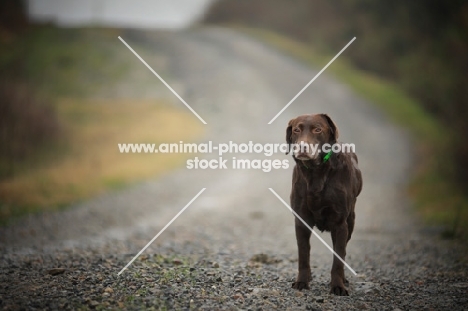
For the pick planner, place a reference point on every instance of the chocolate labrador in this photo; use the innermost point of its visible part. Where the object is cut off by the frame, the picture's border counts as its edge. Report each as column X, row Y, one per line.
column 324, row 190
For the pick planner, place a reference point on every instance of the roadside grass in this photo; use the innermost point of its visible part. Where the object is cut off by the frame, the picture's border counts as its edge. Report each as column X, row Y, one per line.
column 67, row 71
column 437, row 198
column 64, row 61
column 88, row 162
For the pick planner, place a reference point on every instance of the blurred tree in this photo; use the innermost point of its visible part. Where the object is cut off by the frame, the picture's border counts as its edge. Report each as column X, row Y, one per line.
column 13, row 17
column 27, row 123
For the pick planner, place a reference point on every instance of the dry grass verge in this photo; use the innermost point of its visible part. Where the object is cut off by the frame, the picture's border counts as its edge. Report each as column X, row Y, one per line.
column 89, row 162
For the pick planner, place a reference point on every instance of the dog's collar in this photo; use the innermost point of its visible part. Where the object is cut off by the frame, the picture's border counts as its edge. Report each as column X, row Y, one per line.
column 327, row 156
column 325, row 159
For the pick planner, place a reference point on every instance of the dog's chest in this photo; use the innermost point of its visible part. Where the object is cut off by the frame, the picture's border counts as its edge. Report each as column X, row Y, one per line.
column 324, row 199
column 322, row 213
column 322, row 218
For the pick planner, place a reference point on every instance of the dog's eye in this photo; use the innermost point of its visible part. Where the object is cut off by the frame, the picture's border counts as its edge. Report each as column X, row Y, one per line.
column 317, row 130
column 297, row 130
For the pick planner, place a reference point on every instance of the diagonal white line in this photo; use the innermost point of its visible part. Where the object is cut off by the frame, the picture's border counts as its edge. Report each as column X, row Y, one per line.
column 316, row 76
column 162, row 230
column 318, row 236
column 162, row 80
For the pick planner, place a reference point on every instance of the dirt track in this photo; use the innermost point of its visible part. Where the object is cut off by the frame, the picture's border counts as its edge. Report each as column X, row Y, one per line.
column 237, row 85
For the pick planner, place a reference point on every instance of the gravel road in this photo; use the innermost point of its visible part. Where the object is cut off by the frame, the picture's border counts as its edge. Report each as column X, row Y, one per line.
column 234, row 248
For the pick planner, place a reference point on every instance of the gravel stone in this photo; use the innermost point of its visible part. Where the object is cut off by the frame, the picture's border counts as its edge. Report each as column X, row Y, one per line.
column 56, row 271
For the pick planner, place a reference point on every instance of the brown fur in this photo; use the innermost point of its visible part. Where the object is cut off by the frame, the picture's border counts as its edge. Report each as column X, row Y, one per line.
column 323, row 194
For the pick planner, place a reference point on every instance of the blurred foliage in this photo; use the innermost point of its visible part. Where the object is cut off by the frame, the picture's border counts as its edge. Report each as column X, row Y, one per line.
column 58, row 136
column 37, row 65
column 13, row 18
column 421, row 45
column 60, row 62
column 27, row 125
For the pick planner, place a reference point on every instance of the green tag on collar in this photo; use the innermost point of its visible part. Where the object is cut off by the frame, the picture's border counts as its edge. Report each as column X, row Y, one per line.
column 327, row 156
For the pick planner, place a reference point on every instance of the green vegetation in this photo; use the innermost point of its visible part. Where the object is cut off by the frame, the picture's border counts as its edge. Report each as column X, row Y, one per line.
column 62, row 62
column 59, row 127
column 437, row 198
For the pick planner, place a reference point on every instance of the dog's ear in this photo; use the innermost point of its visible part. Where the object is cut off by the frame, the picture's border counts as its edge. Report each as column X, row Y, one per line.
column 289, row 134
column 333, row 128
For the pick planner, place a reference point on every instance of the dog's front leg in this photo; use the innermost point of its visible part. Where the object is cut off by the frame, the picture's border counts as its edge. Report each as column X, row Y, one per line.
column 340, row 237
column 303, row 245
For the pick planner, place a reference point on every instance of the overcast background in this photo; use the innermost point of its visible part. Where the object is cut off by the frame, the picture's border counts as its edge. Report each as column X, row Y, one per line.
column 119, row 13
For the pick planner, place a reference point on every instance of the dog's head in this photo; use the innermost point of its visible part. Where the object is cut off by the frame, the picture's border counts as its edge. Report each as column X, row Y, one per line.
column 308, row 133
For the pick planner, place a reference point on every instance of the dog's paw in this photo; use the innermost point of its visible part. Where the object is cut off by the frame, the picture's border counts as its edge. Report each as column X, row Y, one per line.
column 300, row 285
column 339, row 290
